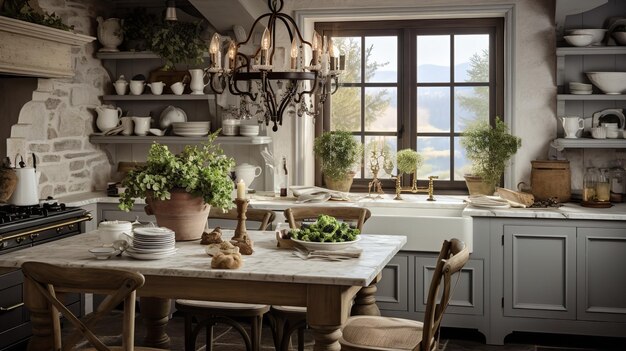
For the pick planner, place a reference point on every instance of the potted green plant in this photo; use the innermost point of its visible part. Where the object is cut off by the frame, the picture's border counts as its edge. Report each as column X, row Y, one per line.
column 338, row 152
column 489, row 148
column 178, row 42
column 408, row 161
column 22, row 10
column 180, row 189
column 139, row 27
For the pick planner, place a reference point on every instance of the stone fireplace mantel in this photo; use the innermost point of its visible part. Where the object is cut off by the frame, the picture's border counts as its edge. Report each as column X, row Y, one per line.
column 28, row 49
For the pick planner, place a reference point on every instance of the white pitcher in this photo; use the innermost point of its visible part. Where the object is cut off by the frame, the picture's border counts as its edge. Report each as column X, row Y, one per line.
column 110, row 33
column 572, row 125
column 247, row 173
column 197, row 81
column 108, row 117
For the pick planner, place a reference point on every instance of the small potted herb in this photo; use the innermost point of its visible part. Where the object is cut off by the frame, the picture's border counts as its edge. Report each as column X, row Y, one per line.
column 180, row 189
column 339, row 152
column 178, row 42
column 489, row 148
column 139, row 27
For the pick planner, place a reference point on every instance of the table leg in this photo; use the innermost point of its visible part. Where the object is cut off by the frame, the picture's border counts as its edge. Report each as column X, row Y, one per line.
column 39, row 317
column 327, row 310
column 365, row 300
column 155, row 313
column 326, row 337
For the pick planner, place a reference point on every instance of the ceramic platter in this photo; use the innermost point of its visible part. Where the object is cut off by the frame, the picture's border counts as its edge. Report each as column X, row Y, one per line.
column 149, row 256
column 610, row 115
column 312, row 245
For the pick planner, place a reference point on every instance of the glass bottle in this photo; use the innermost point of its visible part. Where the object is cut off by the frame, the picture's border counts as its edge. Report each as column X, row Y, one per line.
column 603, row 186
column 284, row 179
column 618, row 177
column 589, row 184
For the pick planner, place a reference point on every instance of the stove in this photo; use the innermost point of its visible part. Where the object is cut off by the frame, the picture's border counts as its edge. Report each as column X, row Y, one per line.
column 24, row 226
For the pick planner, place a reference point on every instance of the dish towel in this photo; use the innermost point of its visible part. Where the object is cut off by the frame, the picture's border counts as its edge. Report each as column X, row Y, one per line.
column 305, row 193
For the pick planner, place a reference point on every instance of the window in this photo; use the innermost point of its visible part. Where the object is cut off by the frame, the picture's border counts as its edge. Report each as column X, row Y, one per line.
column 415, row 84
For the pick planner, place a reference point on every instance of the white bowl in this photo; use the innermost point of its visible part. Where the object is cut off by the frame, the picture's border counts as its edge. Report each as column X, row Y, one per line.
column 205, row 124
column 609, row 82
column 579, row 39
column 580, row 86
column 596, row 33
column 104, row 253
column 598, row 133
column 314, row 245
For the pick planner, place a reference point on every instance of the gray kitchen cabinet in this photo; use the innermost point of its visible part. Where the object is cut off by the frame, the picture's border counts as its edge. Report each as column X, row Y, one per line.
column 601, row 254
column 555, row 276
column 393, row 288
column 110, row 212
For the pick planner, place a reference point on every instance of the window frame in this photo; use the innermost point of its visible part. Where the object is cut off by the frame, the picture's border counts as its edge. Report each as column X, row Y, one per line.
column 407, row 31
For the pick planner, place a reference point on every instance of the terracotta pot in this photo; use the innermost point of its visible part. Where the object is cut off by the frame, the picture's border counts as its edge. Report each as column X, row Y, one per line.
column 341, row 184
column 476, row 186
column 183, row 213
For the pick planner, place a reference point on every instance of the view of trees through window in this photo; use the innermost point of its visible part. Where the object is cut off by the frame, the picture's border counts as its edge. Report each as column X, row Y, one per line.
column 422, row 95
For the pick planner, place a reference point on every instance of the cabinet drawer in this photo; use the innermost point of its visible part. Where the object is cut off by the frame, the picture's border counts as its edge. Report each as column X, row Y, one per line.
column 11, row 299
column 15, row 339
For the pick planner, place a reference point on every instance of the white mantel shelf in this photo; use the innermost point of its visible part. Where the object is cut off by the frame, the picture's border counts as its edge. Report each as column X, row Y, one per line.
column 28, row 49
column 224, row 140
column 589, row 143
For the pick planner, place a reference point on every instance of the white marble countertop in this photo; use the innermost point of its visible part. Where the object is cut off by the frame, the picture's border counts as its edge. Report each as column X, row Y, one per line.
column 567, row 211
column 267, row 263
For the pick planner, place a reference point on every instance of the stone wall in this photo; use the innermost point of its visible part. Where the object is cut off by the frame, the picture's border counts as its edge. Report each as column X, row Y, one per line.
column 57, row 122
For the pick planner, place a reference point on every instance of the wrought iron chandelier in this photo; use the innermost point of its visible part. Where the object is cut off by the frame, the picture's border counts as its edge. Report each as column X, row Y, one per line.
column 256, row 78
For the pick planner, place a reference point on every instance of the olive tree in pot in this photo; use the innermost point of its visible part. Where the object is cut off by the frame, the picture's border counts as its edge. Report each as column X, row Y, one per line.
column 180, row 189
column 338, row 152
column 489, row 148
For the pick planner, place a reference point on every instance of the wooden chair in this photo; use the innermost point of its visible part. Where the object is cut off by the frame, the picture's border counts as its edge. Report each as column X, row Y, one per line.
column 209, row 313
column 385, row 333
column 118, row 285
column 288, row 319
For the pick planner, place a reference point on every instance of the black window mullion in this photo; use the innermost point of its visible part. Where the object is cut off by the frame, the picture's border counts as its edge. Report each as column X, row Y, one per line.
column 452, row 112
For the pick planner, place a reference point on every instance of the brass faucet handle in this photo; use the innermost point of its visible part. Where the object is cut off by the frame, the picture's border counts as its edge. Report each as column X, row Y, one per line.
column 433, row 177
column 431, row 187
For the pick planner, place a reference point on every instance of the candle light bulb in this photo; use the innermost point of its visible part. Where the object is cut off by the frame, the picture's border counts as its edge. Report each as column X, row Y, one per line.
column 315, row 41
column 331, row 49
column 215, row 44
column 294, row 53
column 266, row 39
column 232, row 53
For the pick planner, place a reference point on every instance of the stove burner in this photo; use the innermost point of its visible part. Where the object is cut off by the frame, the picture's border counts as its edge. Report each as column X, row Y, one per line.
column 12, row 213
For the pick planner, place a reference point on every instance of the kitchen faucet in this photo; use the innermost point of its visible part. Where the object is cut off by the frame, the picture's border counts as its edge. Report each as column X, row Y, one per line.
column 415, row 189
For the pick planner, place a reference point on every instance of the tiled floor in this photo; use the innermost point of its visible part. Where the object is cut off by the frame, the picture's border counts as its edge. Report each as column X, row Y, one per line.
column 451, row 339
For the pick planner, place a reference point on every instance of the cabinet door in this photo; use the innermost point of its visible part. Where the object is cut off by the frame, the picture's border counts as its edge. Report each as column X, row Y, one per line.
column 601, row 277
column 467, row 296
column 393, row 293
column 110, row 212
column 540, row 271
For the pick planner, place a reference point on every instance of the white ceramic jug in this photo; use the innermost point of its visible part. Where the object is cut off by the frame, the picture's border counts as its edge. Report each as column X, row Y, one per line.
column 197, row 81
column 571, row 126
column 108, row 117
column 247, row 173
column 110, row 33
column 142, row 125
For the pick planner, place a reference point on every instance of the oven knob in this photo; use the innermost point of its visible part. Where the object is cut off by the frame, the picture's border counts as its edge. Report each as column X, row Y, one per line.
column 59, row 229
column 71, row 226
column 34, row 235
column 4, row 244
column 20, row 239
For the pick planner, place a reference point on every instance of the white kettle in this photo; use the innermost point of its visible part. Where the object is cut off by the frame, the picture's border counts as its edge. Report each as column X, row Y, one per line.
column 26, row 191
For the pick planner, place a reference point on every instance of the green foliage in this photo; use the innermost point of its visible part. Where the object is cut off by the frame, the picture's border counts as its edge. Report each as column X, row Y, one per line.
column 346, row 102
column 325, row 229
column 178, row 42
column 489, row 148
column 21, row 10
column 478, row 102
column 139, row 25
column 408, row 161
column 201, row 170
column 338, row 151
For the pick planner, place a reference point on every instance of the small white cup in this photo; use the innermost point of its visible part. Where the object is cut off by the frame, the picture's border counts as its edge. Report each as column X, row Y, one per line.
column 598, row 132
column 178, row 88
column 136, row 87
column 142, row 125
column 156, row 87
column 127, row 125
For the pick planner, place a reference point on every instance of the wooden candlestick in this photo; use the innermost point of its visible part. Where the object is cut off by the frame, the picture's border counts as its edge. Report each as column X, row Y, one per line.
column 241, row 239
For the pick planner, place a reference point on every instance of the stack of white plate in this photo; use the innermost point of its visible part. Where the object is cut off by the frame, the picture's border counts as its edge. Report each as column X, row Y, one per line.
column 191, row 129
column 152, row 243
column 249, row 129
column 580, row 88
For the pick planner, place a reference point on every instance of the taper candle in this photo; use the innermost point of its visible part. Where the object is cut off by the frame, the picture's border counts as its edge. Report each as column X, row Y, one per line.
column 241, row 189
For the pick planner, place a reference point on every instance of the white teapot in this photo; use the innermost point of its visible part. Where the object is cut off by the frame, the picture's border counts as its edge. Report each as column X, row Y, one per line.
column 108, row 117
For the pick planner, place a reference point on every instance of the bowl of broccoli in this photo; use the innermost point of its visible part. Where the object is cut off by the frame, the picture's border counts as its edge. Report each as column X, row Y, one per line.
column 326, row 233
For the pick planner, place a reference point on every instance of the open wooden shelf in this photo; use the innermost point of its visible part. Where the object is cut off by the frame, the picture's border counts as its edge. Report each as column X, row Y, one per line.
column 590, row 97
column 591, row 50
column 162, row 97
column 225, row 140
column 589, row 143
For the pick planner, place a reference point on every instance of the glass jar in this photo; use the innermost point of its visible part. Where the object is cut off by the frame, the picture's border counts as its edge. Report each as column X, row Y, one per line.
column 618, row 184
column 589, row 184
column 603, row 186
